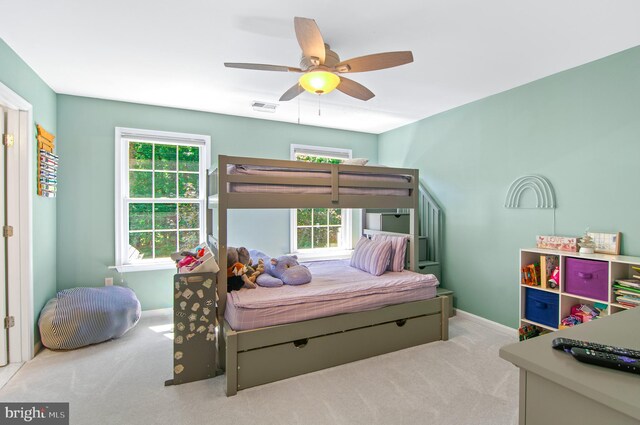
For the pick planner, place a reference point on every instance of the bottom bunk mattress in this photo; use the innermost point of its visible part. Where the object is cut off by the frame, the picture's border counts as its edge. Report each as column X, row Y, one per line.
column 335, row 288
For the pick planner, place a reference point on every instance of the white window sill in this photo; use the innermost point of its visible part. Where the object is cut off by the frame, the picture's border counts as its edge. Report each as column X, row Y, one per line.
column 323, row 255
column 143, row 267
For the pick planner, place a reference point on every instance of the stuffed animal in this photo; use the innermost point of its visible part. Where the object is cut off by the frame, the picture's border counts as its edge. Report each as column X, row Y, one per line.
column 238, row 255
column 284, row 270
column 254, row 272
column 237, row 278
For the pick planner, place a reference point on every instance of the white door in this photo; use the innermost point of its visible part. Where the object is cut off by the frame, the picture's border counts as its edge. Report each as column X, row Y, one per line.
column 3, row 256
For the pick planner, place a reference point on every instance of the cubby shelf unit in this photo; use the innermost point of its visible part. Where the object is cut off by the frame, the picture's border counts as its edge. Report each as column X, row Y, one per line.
column 618, row 267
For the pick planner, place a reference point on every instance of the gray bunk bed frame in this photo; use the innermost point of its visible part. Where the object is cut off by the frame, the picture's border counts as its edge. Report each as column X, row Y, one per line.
column 259, row 356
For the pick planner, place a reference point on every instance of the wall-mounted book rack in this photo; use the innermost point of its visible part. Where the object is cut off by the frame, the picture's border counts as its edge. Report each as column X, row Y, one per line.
column 47, row 164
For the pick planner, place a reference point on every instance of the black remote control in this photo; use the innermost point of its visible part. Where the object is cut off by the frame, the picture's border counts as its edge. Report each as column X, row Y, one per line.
column 567, row 344
column 613, row 361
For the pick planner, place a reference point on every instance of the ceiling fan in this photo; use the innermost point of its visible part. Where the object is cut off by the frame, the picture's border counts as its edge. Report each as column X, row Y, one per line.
column 321, row 68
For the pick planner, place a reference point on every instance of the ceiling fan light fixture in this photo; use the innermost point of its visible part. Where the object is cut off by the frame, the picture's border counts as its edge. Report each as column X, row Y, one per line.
column 319, row 82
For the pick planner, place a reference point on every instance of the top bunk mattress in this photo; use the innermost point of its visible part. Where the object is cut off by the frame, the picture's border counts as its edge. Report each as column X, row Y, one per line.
column 349, row 181
column 336, row 288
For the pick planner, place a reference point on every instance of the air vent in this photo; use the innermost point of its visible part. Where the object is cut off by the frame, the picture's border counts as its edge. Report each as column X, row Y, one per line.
column 264, row 106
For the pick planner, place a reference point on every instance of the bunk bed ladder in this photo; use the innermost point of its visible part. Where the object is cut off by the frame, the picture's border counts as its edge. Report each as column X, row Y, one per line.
column 430, row 227
column 430, row 231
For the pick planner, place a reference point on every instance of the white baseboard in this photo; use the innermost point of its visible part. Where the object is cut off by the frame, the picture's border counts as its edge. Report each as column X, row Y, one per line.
column 481, row 320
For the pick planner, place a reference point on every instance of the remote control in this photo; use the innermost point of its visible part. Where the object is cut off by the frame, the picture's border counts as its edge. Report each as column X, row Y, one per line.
column 613, row 361
column 567, row 344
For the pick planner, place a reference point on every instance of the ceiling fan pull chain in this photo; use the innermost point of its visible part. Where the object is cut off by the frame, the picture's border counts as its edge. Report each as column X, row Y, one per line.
column 298, row 110
column 319, row 105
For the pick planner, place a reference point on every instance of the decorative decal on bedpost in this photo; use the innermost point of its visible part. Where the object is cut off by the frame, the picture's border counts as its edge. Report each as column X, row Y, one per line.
column 194, row 343
column 545, row 196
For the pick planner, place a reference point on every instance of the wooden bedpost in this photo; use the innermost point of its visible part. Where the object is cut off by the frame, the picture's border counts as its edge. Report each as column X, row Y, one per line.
column 222, row 256
column 444, row 316
column 231, row 342
column 414, row 222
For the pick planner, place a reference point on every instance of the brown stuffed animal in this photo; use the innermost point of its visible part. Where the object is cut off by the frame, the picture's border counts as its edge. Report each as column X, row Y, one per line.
column 252, row 272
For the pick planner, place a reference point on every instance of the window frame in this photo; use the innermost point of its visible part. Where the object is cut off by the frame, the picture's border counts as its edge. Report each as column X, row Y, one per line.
column 347, row 214
column 123, row 136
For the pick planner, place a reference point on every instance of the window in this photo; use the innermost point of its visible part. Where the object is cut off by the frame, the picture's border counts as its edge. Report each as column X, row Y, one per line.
column 160, row 196
column 317, row 230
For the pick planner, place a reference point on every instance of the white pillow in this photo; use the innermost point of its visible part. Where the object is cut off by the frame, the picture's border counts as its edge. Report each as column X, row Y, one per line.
column 355, row 161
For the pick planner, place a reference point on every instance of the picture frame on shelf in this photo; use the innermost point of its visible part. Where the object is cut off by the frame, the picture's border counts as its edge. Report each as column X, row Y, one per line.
column 606, row 243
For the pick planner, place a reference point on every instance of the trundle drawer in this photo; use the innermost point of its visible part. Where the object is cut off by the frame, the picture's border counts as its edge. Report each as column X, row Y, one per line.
column 268, row 364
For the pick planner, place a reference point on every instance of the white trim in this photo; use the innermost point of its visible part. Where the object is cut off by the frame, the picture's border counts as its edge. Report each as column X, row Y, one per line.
column 169, row 136
column 145, row 267
column 123, row 134
column 486, row 322
column 322, row 254
column 14, row 251
column 25, row 290
column 4, row 259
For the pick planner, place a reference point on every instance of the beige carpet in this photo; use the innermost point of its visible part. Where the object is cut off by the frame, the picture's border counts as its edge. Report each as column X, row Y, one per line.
column 461, row 381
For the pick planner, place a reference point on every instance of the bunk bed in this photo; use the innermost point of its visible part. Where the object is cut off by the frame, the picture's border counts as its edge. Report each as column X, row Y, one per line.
column 256, row 356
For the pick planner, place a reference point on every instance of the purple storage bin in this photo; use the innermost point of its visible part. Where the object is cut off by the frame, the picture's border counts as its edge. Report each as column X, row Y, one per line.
column 587, row 278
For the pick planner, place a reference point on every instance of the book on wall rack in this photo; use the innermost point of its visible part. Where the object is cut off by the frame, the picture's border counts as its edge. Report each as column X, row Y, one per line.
column 47, row 164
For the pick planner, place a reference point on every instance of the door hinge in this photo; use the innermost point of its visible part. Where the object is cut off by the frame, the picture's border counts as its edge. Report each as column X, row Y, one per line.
column 7, row 140
column 9, row 322
column 7, row 231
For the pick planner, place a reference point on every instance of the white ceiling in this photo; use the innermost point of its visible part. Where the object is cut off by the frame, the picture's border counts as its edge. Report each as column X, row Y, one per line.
column 171, row 53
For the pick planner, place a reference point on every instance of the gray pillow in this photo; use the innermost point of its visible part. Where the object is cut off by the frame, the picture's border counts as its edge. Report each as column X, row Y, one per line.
column 371, row 256
column 398, row 250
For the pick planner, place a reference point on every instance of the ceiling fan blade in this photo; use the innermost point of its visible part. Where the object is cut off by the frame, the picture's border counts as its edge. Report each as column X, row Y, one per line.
column 262, row 67
column 375, row 62
column 354, row 89
column 309, row 38
column 294, row 91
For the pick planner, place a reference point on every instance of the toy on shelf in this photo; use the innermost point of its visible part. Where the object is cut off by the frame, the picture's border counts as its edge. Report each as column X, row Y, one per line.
column 549, row 266
column 554, row 281
column 582, row 313
column 587, row 245
column 530, row 331
column 531, row 274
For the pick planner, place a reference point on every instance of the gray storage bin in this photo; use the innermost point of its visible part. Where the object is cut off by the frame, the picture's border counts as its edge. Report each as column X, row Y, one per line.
column 388, row 222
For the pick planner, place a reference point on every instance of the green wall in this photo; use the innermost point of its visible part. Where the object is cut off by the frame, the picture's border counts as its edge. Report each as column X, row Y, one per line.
column 579, row 128
column 16, row 74
column 86, row 182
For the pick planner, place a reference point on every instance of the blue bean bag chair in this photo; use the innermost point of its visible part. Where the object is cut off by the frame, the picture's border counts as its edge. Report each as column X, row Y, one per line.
column 82, row 316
